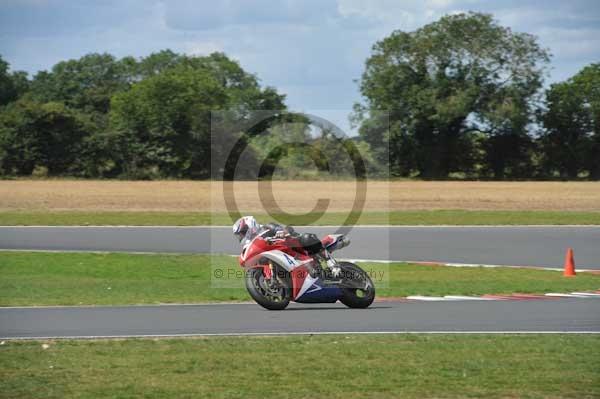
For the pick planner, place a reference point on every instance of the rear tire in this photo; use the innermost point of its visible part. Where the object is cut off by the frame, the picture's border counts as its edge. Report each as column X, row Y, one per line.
column 353, row 297
column 260, row 292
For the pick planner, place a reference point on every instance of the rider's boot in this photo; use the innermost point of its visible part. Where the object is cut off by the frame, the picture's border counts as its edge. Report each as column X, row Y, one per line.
column 333, row 268
column 314, row 269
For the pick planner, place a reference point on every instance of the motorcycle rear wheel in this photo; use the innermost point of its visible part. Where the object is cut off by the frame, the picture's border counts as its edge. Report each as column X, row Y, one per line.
column 267, row 297
column 354, row 297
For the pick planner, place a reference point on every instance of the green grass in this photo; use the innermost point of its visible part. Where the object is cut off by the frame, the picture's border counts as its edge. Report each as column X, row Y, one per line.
column 438, row 217
column 38, row 278
column 382, row 366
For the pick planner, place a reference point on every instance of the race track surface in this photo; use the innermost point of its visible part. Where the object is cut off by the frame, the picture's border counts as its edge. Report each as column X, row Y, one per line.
column 542, row 246
column 559, row 315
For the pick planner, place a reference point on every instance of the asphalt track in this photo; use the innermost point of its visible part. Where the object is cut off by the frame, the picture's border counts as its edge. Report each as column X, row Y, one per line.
column 557, row 315
column 520, row 245
column 542, row 246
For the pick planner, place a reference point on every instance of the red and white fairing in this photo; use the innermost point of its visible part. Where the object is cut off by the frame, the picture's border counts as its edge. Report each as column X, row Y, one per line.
column 287, row 252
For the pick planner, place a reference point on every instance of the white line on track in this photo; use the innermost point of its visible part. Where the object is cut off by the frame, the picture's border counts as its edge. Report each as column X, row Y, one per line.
column 267, row 334
column 468, row 298
column 428, row 298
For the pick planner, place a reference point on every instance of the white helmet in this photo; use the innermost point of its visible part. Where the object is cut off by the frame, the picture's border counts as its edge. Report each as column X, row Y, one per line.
column 242, row 225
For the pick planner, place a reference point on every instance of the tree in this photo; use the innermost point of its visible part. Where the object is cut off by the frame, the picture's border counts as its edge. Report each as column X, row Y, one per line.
column 35, row 135
column 157, row 63
column 283, row 152
column 509, row 149
column 162, row 124
column 158, row 107
column 458, row 75
column 243, row 88
column 87, row 83
column 571, row 139
column 12, row 85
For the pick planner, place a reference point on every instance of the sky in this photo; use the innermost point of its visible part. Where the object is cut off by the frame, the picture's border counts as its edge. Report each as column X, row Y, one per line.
column 311, row 50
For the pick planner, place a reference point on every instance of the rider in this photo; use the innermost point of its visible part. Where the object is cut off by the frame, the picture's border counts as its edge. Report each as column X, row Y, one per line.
column 246, row 228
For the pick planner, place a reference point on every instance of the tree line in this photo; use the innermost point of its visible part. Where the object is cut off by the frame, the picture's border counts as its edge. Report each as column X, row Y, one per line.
column 462, row 97
column 102, row 117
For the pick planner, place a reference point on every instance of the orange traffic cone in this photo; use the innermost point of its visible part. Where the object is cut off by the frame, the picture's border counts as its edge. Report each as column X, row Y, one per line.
column 569, row 264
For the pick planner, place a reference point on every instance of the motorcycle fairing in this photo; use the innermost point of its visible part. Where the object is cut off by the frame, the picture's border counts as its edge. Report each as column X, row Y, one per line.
column 286, row 261
column 314, row 290
column 330, row 239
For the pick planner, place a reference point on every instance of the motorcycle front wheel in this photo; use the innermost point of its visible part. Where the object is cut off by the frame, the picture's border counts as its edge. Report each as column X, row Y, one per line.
column 358, row 298
column 272, row 295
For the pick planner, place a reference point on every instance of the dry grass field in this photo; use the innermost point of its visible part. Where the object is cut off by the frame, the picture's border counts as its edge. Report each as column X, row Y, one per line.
column 203, row 196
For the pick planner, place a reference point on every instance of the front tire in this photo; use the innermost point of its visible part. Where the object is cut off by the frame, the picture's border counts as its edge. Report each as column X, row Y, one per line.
column 271, row 298
column 357, row 298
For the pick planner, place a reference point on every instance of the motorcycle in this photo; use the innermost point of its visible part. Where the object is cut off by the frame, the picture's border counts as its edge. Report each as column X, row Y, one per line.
column 301, row 268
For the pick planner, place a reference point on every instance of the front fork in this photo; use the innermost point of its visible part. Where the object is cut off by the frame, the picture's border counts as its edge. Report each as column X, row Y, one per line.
column 332, row 264
column 268, row 271
column 272, row 277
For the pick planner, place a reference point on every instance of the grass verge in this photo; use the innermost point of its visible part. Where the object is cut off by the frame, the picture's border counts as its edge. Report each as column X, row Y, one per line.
column 406, row 366
column 433, row 217
column 38, row 278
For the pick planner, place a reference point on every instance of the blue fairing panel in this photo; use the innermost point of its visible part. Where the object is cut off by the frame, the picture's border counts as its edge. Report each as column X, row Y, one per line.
column 319, row 293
